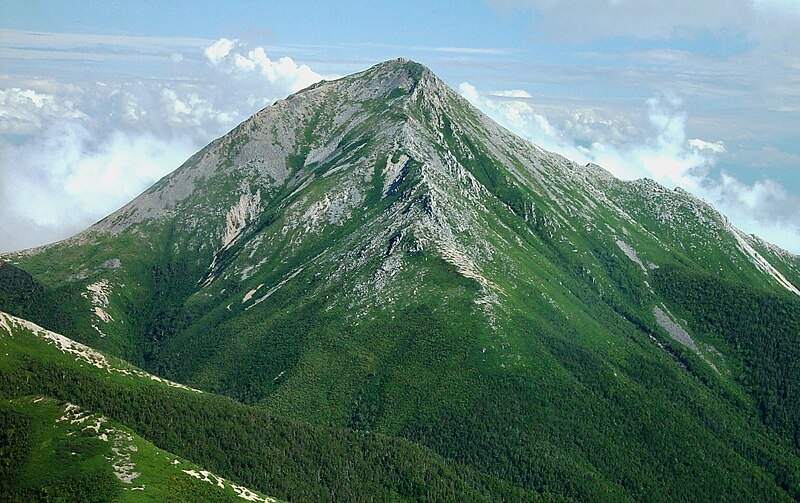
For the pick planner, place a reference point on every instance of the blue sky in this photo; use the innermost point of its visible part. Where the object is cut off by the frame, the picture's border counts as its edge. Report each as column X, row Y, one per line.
column 99, row 99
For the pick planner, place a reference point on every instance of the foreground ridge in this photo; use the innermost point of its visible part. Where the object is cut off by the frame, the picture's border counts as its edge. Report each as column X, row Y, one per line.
column 376, row 256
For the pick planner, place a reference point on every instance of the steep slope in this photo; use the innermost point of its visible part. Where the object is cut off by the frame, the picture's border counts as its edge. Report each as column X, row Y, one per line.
column 54, row 449
column 374, row 253
column 58, row 451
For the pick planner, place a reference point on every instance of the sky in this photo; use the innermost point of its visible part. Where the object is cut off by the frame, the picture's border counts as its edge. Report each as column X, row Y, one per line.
column 99, row 99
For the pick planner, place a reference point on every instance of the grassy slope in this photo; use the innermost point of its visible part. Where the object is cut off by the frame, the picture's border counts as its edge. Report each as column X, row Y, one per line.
column 49, row 458
column 292, row 460
column 567, row 393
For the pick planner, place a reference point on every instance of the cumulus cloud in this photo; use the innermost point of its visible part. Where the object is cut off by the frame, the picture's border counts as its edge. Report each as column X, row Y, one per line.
column 283, row 72
column 64, row 165
column 65, row 179
column 662, row 152
column 72, row 152
column 217, row 51
column 23, row 111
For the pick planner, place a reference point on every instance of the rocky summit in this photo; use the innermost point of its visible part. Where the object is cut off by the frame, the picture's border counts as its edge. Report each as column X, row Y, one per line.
column 370, row 291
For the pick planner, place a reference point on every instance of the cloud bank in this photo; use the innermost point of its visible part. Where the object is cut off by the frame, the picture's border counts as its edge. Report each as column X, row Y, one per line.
column 73, row 152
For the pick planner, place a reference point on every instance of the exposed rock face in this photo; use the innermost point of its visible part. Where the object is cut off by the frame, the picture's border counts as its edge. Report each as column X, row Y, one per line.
column 373, row 253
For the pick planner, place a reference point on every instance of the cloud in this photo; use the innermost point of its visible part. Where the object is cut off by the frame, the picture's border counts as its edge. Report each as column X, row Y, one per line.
column 584, row 20
column 661, row 152
column 715, row 147
column 23, row 111
column 217, row 51
column 66, row 178
column 72, row 152
column 512, row 93
column 764, row 208
column 283, row 72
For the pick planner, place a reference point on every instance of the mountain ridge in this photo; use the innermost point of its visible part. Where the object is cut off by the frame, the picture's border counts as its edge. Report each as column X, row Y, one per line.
column 375, row 254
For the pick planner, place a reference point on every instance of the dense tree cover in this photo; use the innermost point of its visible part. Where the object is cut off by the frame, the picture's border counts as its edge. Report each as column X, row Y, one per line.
column 55, row 472
column 14, row 443
column 22, row 295
column 46, row 458
column 571, row 427
column 758, row 330
column 286, row 459
column 18, row 289
column 582, row 434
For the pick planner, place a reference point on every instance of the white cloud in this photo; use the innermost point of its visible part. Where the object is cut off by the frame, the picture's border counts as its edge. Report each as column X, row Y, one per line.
column 23, row 111
column 65, row 179
column 715, row 147
column 662, row 152
column 513, row 93
column 217, row 51
column 72, row 152
column 283, row 72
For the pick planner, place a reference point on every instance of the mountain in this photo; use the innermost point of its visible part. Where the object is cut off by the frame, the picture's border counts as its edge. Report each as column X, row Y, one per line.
column 53, row 449
column 374, row 256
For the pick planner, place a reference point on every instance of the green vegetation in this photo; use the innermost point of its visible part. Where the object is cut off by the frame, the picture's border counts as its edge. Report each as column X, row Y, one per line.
column 287, row 459
column 758, row 329
column 431, row 310
column 46, row 457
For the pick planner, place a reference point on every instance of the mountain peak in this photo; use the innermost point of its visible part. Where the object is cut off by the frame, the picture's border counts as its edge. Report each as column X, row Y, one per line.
column 376, row 254
column 394, row 73
column 402, row 64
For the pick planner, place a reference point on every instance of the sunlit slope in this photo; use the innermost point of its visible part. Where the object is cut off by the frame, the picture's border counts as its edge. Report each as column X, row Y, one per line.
column 60, row 397
column 373, row 253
